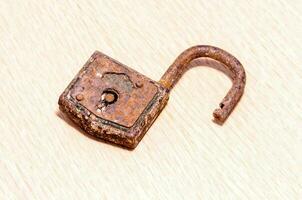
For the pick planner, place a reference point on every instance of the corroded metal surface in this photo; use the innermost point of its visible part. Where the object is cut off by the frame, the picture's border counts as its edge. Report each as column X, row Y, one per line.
column 105, row 75
column 90, row 101
column 113, row 102
column 180, row 65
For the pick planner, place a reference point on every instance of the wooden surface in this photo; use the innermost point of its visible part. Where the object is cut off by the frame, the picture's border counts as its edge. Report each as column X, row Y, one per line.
column 256, row 154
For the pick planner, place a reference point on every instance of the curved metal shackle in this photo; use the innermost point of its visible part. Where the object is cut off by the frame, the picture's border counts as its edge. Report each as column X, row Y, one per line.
column 180, row 65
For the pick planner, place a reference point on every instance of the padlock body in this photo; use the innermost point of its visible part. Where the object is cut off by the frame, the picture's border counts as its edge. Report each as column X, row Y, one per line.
column 112, row 101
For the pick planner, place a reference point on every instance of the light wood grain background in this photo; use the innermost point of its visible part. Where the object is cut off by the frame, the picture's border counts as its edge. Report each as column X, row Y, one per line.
column 256, row 154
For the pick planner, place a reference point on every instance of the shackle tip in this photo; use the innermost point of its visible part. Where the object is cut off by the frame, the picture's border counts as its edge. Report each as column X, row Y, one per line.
column 220, row 115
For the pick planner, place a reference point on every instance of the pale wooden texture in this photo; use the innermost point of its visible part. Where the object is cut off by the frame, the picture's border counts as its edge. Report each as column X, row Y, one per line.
column 256, row 154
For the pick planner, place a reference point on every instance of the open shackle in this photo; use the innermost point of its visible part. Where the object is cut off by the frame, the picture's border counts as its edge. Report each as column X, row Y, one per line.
column 181, row 64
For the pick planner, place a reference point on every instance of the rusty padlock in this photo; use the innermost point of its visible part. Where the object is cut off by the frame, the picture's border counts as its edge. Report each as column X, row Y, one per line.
column 117, row 104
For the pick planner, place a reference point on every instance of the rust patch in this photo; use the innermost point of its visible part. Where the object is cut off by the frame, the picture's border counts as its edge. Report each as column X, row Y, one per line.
column 105, row 74
column 180, row 66
column 113, row 102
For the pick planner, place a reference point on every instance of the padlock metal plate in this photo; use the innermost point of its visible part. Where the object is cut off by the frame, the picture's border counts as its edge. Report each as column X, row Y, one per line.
column 139, row 101
column 134, row 90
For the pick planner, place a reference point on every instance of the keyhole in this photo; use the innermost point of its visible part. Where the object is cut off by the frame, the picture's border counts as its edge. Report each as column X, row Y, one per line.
column 109, row 96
